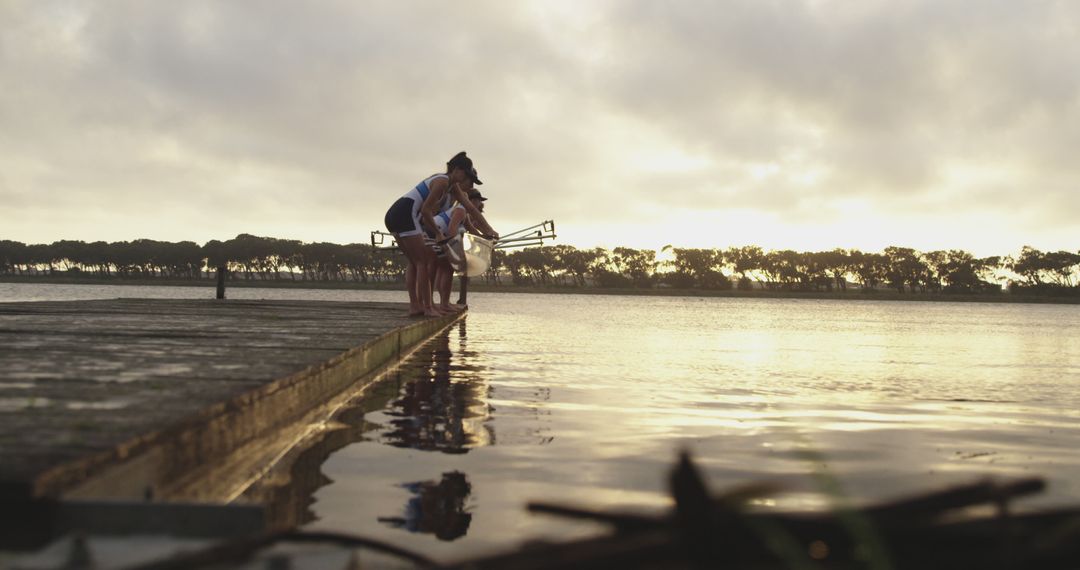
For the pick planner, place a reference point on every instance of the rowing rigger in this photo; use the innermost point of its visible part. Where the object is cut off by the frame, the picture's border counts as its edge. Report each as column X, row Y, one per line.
column 525, row 237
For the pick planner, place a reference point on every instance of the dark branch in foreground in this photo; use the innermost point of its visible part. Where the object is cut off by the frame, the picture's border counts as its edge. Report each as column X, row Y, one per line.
column 969, row 526
column 940, row 530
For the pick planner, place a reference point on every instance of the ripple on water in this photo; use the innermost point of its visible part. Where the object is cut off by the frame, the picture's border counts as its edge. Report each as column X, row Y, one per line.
column 882, row 399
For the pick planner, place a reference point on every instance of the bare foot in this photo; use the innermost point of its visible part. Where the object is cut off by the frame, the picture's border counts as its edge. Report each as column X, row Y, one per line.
column 450, row 309
column 413, row 314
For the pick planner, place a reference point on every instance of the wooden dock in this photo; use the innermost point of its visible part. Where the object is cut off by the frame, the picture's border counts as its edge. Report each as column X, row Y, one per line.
column 137, row 398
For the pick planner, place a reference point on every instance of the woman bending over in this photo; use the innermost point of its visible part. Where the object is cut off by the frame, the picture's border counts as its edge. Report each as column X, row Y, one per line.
column 412, row 214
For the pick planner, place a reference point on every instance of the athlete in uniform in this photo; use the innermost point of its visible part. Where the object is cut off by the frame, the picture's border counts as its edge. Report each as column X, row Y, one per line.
column 452, row 223
column 412, row 213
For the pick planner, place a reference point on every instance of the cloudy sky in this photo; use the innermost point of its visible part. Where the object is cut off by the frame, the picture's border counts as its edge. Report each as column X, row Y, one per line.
column 806, row 124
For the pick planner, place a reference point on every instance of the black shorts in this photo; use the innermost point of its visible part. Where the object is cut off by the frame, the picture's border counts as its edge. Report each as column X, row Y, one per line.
column 401, row 220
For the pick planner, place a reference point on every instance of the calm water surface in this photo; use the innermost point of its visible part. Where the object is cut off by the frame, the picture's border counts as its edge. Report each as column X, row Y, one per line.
column 586, row 400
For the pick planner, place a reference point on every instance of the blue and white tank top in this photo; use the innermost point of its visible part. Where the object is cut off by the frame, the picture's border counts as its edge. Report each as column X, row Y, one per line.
column 421, row 191
column 442, row 219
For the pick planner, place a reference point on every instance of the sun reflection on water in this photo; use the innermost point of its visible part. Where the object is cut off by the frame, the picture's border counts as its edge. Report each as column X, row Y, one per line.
column 586, row 400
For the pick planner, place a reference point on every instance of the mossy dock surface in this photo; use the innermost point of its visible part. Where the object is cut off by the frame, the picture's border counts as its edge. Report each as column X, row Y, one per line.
column 137, row 397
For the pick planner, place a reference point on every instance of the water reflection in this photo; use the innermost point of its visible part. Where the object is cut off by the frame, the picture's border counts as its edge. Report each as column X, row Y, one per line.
column 434, row 401
column 289, row 502
column 443, row 405
column 437, row 508
column 590, row 397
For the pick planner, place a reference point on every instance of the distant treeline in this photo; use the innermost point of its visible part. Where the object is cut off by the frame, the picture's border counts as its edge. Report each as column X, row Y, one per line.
column 748, row 267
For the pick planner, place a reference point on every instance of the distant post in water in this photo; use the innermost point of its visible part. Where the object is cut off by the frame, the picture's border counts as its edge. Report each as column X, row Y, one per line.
column 221, row 282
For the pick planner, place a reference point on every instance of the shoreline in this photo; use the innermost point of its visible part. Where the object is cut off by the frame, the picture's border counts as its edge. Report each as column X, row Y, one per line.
column 475, row 287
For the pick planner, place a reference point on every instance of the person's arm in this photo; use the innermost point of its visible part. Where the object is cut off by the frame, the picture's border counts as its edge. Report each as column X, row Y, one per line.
column 486, row 231
column 431, row 204
column 481, row 227
column 474, row 214
column 472, row 228
column 456, row 218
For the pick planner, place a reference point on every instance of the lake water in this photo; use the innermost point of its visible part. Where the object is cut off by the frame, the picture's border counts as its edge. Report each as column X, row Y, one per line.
column 586, row 400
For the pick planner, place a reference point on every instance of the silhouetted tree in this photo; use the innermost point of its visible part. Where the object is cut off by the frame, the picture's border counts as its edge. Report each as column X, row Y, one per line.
column 575, row 262
column 836, row 265
column 638, row 265
column 698, row 268
column 254, row 257
column 870, row 268
column 906, row 267
column 744, row 260
column 14, row 257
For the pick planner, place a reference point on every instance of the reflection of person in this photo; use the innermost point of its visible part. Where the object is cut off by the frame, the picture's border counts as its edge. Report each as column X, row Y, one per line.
column 436, row 508
column 452, row 223
column 436, row 413
column 408, row 216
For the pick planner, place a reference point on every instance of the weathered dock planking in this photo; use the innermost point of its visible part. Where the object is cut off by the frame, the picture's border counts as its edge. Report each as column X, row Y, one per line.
column 129, row 398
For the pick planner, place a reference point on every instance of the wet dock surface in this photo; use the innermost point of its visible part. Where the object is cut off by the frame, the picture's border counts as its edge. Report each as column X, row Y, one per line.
column 91, row 379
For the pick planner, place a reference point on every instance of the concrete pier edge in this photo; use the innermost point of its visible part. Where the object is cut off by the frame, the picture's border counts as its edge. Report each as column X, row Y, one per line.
column 149, row 465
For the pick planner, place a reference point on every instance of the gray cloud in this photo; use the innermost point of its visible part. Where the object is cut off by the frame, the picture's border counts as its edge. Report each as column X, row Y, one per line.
column 217, row 118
